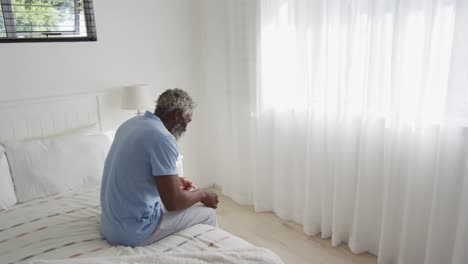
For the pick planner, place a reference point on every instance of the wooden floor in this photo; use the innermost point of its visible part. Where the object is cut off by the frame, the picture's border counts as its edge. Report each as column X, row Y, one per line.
column 285, row 238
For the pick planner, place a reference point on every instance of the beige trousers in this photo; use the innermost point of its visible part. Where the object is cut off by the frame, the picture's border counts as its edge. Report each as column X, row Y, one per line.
column 175, row 221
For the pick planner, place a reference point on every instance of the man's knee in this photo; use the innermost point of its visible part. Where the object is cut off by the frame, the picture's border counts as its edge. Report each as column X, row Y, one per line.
column 210, row 216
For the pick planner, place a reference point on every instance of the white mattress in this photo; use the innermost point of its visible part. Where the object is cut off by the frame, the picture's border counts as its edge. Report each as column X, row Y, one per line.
column 67, row 226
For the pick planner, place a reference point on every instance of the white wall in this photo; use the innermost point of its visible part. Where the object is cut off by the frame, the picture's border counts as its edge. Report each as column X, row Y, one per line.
column 210, row 115
column 146, row 41
column 164, row 43
column 228, row 59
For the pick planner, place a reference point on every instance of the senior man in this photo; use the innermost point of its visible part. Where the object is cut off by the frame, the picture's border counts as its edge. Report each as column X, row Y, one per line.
column 142, row 197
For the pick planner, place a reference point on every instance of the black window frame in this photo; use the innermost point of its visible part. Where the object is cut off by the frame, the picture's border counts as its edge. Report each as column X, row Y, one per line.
column 88, row 11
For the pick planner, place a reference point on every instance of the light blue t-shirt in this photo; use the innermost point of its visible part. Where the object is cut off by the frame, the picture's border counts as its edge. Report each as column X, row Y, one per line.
column 131, row 206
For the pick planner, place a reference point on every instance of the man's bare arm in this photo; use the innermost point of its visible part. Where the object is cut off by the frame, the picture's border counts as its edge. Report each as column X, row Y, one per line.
column 174, row 198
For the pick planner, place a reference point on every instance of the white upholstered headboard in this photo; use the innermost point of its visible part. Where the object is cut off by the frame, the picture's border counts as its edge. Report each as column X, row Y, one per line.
column 40, row 117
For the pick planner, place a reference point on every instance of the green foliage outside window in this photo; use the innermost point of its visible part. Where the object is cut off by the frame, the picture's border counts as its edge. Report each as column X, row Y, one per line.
column 2, row 24
column 46, row 21
column 34, row 15
column 40, row 16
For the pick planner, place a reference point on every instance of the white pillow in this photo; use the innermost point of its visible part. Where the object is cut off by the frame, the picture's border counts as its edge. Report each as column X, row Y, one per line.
column 54, row 165
column 180, row 166
column 7, row 189
column 83, row 130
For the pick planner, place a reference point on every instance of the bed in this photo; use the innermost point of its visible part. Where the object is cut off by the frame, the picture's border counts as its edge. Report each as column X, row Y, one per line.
column 66, row 225
column 46, row 220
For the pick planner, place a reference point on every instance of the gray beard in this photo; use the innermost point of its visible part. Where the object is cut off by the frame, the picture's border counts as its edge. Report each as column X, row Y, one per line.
column 177, row 131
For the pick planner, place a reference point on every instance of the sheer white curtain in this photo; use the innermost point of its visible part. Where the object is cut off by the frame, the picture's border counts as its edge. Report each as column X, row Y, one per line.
column 356, row 121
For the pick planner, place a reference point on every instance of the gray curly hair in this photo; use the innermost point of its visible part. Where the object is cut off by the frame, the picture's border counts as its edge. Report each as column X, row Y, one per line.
column 174, row 99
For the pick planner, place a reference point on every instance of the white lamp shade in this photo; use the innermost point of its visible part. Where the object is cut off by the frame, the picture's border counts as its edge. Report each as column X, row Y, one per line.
column 137, row 97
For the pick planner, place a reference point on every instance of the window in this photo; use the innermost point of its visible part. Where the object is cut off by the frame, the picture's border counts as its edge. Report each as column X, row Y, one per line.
column 42, row 21
column 360, row 62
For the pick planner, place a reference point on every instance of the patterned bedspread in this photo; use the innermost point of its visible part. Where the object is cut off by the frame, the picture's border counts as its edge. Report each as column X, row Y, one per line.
column 67, row 226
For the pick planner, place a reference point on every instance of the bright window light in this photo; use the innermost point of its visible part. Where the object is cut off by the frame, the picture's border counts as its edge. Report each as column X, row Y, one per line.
column 359, row 65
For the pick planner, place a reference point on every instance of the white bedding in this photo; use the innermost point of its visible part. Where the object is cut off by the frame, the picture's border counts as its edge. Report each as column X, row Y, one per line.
column 67, row 226
column 252, row 255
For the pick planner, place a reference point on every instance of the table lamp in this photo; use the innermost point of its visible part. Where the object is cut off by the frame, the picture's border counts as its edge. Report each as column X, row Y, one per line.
column 136, row 97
